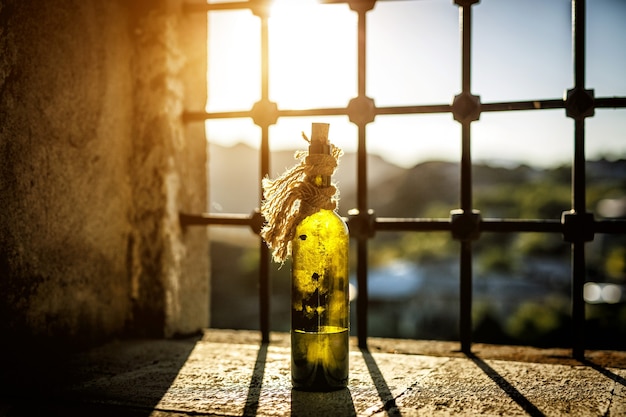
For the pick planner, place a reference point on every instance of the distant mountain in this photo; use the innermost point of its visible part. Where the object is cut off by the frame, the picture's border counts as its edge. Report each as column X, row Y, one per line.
column 392, row 191
column 234, row 183
column 235, row 180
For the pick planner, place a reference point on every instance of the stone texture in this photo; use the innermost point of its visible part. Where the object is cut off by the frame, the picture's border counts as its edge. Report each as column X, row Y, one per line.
column 230, row 373
column 96, row 164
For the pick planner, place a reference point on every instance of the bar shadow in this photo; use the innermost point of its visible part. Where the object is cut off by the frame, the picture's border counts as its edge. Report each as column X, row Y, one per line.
column 108, row 380
column 254, row 391
column 617, row 378
column 302, row 403
column 315, row 404
column 506, row 386
column 389, row 402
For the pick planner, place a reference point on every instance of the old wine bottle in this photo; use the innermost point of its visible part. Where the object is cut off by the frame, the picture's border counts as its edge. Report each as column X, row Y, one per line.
column 320, row 306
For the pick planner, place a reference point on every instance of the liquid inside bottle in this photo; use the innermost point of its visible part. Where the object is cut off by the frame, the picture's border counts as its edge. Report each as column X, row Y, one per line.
column 320, row 303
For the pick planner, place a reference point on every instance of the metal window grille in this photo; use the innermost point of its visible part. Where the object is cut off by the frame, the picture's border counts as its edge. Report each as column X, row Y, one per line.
column 465, row 224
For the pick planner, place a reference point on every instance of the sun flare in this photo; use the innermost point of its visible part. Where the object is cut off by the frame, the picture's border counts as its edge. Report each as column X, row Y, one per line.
column 312, row 54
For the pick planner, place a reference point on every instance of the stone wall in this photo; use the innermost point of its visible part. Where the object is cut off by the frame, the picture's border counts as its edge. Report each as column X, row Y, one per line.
column 96, row 164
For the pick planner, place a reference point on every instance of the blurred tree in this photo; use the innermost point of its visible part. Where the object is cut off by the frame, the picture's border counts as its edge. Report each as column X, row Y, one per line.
column 543, row 324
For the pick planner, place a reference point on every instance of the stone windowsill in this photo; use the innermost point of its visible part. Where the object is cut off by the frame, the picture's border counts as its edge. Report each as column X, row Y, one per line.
column 230, row 373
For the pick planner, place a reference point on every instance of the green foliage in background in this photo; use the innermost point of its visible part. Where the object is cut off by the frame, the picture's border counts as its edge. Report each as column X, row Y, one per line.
column 431, row 190
column 544, row 323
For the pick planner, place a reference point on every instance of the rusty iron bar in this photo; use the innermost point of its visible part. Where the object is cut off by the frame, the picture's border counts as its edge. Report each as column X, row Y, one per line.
column 210, row 7
column 208, row 219
column 600, row 102
column 610, row 102
column 238, row 5
column 465, row 278
column 264, row 265
column 412, row 224
column 362, row 191
column 578, row 184
column 465, row 111
column 485, row 225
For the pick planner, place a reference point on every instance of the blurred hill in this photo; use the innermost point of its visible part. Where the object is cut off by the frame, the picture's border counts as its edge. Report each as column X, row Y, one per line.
column 429, row 189
column 235, row 182
column 522, row 280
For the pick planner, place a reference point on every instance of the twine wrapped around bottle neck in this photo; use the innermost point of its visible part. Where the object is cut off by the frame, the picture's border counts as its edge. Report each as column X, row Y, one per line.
column 293, row 196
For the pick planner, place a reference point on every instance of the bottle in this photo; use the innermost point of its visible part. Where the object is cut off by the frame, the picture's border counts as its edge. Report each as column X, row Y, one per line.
column 320, row 306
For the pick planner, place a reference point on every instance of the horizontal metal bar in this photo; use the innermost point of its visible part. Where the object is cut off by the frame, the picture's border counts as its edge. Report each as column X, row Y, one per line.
column 521, row 225
column 524, row 105
column 427, row 108
column 206, row 219
column 339, row 111
column 354, row 1
column 394, row 224
column 604, row 102
column 201, row 7
column 610, row 102
column 200, row 116
column 494, row 225
column 612, row 226
column 486, row 225
column 208, row 7
column 411, row 224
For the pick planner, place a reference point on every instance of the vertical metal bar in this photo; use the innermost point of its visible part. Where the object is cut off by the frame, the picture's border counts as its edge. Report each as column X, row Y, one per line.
column 264, row 259
column 264, row 58
column 264, row 276
column 578, row 34
column 465, row 307
column 578, row 167
column 264, row 292
column 578, row 184
column 362, row 198
column 362, row 244
column 578, row 302
column 361, row 52
column 465, row 21
column 362, row 299
column 466, row 168
column 579, row 197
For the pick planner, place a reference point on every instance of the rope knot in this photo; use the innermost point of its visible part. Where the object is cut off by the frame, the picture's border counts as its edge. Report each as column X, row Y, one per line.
column 290, row 198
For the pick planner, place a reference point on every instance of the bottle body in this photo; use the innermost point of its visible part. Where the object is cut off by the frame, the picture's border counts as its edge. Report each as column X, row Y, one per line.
column 320, row 304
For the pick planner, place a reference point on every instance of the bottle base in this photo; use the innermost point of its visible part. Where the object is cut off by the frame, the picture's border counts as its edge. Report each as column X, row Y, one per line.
column 319, row 361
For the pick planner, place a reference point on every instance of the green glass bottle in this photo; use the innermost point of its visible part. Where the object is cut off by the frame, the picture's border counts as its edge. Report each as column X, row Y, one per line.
column 320, row 306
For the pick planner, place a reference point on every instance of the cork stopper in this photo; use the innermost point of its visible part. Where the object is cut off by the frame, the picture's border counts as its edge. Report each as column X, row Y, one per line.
column 319, row 139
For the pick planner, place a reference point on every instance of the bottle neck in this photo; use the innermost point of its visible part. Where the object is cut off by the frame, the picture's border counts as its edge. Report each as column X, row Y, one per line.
column 324, row 148
column 321, row 180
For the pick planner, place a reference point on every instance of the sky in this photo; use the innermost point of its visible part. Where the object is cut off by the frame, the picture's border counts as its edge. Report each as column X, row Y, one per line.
column 522, row 50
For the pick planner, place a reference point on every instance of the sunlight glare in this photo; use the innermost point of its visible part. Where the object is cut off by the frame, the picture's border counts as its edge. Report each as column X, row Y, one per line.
column 611, row 294
column 312, row 54
column 592, row 293
column 413, row 57
column 234, row 54
column 406, row 140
